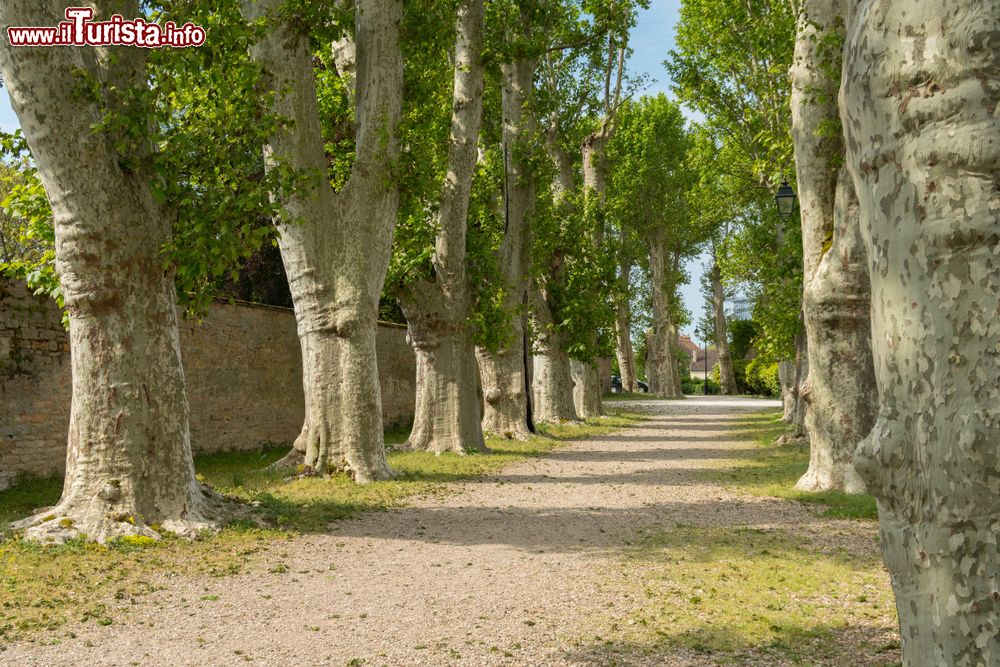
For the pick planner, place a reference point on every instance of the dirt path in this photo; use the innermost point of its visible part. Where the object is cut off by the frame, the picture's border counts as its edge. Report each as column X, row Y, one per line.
column 510, row 570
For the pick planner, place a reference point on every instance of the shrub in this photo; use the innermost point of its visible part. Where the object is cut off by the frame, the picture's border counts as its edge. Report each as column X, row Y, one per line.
column 696, row 387
column 739, row 371
column 762, row 378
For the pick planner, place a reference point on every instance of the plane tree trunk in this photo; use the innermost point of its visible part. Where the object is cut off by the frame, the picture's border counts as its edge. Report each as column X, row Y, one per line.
column 624, row 351
column 840, row 390
column 437, row 309
column 726, row 374
column 335, row 245
column 504, row 371
column 661, row 365
column 128, row 459
column 924, row 78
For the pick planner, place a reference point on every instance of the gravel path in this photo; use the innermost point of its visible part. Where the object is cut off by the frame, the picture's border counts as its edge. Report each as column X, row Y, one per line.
column 509, row 570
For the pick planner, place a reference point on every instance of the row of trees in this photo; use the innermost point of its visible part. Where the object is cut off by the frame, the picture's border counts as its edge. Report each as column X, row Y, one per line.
column 881, row 304
column 504, row 191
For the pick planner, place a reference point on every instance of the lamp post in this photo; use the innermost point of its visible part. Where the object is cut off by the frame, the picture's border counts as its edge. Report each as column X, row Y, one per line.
column 785, row 200
column 704, row 337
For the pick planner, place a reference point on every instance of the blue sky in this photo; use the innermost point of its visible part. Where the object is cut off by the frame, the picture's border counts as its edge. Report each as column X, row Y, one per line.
column 652, row 40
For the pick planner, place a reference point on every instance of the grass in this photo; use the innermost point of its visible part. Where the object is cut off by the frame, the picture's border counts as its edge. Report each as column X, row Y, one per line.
column 44, row 587
column 772, row 470
column 737, row 595
column 639, row 396
column 753, row 596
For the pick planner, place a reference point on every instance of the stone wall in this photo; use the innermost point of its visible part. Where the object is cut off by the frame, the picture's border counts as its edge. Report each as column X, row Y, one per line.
column 243, row 370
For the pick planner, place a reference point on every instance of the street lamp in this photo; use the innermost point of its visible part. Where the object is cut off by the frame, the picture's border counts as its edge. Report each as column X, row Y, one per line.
column 703, row 335
column 785, row 199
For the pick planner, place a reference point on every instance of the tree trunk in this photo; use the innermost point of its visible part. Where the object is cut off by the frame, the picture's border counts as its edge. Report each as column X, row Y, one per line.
column 799, row 383
column 552, row 381
column 128, row 460
column 836, row 305
column 840, row 388
column 924, row 79
column 786, row 377
column 726, row 374
column 335, row 245
column 504, row 372
column 437, row 309
column 587, row 388
column 661, row 364
column 624, row 351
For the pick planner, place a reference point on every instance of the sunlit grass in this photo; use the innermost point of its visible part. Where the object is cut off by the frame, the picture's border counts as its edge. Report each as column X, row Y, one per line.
column 43, row 587
column 772, row 470
column 755, row 596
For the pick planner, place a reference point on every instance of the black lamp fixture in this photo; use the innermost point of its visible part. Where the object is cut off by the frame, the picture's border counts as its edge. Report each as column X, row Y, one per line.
column 785, row 199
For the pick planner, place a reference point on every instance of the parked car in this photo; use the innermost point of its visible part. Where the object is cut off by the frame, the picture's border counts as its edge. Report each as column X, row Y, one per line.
column 617, row 388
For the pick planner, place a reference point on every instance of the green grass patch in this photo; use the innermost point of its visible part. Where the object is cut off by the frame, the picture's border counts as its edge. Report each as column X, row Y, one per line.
column 775, row 595
column 772, row 470
column 43, row 587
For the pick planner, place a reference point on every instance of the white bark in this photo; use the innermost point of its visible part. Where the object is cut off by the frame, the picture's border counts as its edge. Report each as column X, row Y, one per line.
column 552, row 381
column 919, row 104
column 503, row 372
column 840, row 390
column 624, row 351
column 437, row 309
column 335, row 245
column 661, row 365
column 786, row 377
column 726, row 375
column 128, row 461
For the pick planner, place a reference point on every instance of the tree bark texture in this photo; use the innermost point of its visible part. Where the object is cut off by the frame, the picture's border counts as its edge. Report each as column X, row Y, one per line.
column 447, row 416
column 661, row 365
column 587, row 390
column 552, row 380
column 128, row 461
column 786, row 377
column 919, row 104
column 840, row 389
column 503, row 371
column 623, row 334
column 836, row 305
column 335, row 245
column 726, row 375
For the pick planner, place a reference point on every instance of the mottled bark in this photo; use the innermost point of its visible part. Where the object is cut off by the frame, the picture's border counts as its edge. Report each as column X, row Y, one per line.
column 586, row 379
column 786, row 378
column 335, row 245
column 437, row 309
column 840, row 390
column 726, row 374
column 552, row 380
column 919, row 103
column 661, row 365
column 836, row 305
column 503, row 372
column 623, row 332
column 128, row 461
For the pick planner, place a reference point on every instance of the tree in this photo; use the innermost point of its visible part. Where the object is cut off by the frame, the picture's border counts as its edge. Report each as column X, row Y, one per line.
column 841, row 386
column 928, row 206
column 646, row 197
column 335, row 244
column 128, row 463
column 438, row 307
column 504, row 369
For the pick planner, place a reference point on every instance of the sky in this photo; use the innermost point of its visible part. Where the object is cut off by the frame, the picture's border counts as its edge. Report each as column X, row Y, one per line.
column 651, row 41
